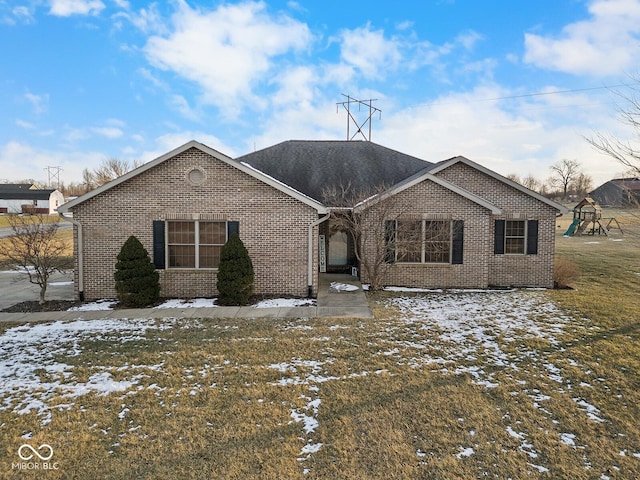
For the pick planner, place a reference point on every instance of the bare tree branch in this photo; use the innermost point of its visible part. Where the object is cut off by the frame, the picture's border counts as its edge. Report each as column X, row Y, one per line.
column 34, row 248
column 367, row 224
column 563, row 173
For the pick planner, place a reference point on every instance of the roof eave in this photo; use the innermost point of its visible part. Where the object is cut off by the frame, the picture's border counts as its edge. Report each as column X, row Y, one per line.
column 420, row 177
column 214, row 153
column 452, row 161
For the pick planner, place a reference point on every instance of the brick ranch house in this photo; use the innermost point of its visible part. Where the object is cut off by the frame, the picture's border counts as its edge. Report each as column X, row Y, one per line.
column 452, row 224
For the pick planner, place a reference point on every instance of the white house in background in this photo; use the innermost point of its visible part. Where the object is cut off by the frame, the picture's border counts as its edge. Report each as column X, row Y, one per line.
column 26, row 198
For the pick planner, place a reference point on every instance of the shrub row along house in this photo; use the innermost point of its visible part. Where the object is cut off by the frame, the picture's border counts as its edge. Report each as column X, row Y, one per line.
column 306, row 207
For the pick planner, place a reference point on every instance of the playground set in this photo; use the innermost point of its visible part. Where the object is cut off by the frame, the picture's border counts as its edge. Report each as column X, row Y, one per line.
column 588, row 220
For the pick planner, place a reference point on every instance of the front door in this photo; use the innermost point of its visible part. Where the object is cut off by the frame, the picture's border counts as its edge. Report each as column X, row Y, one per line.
column 338, row 250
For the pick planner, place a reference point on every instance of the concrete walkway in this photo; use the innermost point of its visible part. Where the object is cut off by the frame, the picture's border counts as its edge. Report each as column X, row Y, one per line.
column 332, row 302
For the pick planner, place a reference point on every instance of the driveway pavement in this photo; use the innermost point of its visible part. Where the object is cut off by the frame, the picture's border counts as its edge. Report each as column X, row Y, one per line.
column 15, row 288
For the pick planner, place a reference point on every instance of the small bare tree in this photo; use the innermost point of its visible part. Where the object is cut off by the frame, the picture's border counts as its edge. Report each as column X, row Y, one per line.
column 365, row 214
column 109, row 169
column 582, row 184
column 35, row 248
column 564, row 173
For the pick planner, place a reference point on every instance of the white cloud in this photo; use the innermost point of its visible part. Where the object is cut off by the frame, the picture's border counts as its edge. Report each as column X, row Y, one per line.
column 501, row 135
column 605, row 44
column 108, row 132
column 24, row 124
column 170, row 141
column 40, row 103
column 369, row 51
column 26, row 161
column 226, row 51
column 66, row 8
column 179, row 103
column 147, row 20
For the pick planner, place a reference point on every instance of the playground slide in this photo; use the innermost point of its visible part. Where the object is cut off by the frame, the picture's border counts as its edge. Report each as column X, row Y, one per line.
column 572, row 228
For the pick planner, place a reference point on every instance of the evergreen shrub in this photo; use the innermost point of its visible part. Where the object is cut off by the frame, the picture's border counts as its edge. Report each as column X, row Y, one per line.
column 235, row 273
column 137, row 281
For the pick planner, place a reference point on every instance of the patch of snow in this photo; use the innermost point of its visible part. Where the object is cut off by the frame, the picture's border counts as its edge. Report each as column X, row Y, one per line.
column 342, row 287
column 411, row 290
column 515, row 434
column 285, row 303
column 465, row 452
column 193, row 303
column 311, row 448
column 540, row 468
column 592, row 411
column 92, row 306
column 568, row 439
column 60, row 284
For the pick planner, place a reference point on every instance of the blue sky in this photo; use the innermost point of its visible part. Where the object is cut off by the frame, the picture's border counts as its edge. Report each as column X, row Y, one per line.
column 84, row 80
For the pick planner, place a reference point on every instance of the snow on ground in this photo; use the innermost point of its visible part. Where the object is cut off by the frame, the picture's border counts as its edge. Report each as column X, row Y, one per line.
column 193, row 303
column 92, row 306
column 482, row 335
column 31, row 373
column 285, row 302
column 342, row 287
column 198, row 303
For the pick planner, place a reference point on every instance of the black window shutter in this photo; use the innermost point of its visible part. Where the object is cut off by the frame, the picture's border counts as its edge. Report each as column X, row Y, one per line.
column 498, row 239
column 158, row 244
column 532, row 237
column 233, row 228
column 389, row 241
column 458, row 242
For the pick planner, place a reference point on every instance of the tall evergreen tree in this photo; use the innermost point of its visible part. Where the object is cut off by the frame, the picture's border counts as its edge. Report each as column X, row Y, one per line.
column 137, row 281
column 235, row 273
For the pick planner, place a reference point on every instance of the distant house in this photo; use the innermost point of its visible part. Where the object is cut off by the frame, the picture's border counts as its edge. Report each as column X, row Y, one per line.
column 184, row 205
column 620, row 192
column 26, row 198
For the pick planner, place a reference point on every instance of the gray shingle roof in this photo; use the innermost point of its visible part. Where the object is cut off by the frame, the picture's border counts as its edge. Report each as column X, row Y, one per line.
column 22, row 191
column 311, row 166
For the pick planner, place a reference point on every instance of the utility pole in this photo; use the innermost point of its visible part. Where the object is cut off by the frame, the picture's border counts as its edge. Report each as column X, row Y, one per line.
column 54, row 175
column 368, row 104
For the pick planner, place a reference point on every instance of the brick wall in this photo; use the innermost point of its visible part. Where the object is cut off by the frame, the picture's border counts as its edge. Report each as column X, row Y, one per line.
column 273, row 226
column 511, row 270
column 429, row 200
column 481, row 268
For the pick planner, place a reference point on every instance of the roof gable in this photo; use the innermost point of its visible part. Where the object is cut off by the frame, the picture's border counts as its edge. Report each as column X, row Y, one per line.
column 314, row 166
column 459, row 159
column 425, row 175
column 214, row 153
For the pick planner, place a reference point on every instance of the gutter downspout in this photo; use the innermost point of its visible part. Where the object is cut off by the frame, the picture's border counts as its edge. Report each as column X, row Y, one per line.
column 310, row 257
column 80, row 256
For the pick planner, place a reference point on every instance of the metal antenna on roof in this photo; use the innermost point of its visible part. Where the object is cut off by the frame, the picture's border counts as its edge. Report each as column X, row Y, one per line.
column 54, row 175
column 352, row 119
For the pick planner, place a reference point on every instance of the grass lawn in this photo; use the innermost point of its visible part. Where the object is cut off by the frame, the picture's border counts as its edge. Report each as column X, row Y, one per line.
column 65, row 236
column 515, row 384
column 5, row 219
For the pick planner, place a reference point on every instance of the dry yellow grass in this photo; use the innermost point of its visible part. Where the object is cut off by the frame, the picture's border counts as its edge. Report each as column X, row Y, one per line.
column 396, row 397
